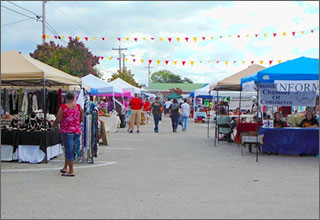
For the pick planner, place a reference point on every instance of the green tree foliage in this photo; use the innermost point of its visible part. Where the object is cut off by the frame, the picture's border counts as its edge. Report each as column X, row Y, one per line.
column 166, row 76
column 125, row 75
column 74, row 59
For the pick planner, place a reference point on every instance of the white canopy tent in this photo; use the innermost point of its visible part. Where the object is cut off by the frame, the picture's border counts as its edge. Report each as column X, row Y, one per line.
column 102, row 86
column 124, row 85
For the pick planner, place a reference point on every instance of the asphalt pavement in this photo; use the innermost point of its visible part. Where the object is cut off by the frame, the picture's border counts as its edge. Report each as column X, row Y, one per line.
column 165, row 175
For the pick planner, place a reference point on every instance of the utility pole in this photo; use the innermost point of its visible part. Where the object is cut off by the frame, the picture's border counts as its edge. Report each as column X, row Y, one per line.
column 119, row 55
column 43, row 21
column 149, row 73
column 124, row 59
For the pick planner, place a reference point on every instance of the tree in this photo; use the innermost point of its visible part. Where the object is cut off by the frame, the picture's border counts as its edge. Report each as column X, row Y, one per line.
column 125, row 75
column 166, row 76
column 74, row 59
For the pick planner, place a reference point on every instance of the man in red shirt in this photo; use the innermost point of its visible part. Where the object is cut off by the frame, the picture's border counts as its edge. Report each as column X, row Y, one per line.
column 136, row 104
column 146, row 108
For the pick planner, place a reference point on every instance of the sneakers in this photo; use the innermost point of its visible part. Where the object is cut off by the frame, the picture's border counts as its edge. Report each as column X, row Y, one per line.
column 138, row 131
column 130, row 131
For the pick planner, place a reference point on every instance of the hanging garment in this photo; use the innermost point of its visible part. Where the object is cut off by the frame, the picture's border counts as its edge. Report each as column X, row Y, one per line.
column 80, row 99
column 20, row 99
column 30, row 102
column 53, row 102
column 34, row 103
column 59, row 99
column 24, row 104
column 38, row 94
column 14, row 103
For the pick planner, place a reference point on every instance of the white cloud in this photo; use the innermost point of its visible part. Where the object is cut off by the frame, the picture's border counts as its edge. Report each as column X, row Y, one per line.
column 177, row 19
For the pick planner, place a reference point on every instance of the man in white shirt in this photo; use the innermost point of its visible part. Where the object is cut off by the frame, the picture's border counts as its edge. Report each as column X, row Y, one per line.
column 167, row 106
column 185, row 112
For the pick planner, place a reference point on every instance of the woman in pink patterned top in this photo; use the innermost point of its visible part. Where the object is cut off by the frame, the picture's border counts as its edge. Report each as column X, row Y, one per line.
column 70, row 116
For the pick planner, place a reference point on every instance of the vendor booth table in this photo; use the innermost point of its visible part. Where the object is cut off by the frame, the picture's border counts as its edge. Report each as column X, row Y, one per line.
column 294, row 141
column 32, row 147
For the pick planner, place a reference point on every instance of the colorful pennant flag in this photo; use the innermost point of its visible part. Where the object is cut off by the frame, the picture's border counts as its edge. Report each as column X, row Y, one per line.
column 101, row 38
column 243, row 61
column 302, row 32
column 261, row 61
column 134, row 60
column 270, row 62
column 178, row 39
column 86, row 38
column 169, row 39
column 135, row 39
column 274, row 34
column 127, row 38
column 203, row 38
column 217, row 61
column 142, row 60
column 175, row 62
column 279, row 61
column 195, row 39
column 150, row 61
column 119, row 38
column 101, row 58
column 187, row 39
column 110, row 58
column 48, row 36
column 252, row 62
column 256, row 35
column 238, row 36
column 167, row 61
column 191, row 62
column 78, row 38
column 161, row 39
column 265, row 35
column 152, row 38
column 284, row 33
column 226, row 62
column 94, row 38
column 183, row 62
column 56, row 37
column 126, row 59
column 211, row 37
column 158, row 62
column 144, row 38
column 247, row 35
column 293, row 33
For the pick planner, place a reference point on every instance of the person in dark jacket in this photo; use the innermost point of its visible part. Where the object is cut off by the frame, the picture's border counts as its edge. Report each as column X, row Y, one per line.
column 174, row 114
column 309, row 121
column 156, row 109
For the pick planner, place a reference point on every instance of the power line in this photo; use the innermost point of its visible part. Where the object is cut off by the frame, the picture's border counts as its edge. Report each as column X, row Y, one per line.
column 24, row 9
column 15, row 22
column 56, row 33
column 37, row 19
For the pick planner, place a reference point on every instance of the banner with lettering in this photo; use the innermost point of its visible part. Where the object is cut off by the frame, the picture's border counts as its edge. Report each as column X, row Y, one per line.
column 269, row 95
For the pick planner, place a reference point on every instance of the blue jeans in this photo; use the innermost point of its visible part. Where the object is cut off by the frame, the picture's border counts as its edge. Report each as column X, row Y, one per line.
column 70, row 141
column 156, row 122
column 184, row 120
column 175, row 122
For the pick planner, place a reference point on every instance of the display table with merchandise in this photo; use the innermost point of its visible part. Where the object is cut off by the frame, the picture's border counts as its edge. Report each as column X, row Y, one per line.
column 245, row 127
column 30, row 146
column 296, row 141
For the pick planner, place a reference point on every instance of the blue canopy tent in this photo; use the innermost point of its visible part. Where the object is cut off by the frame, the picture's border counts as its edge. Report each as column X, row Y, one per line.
column 300, row 69
column 203, row 92
column 297, row 75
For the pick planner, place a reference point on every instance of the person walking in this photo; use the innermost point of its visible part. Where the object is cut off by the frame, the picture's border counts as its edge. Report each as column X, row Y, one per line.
column 174, row 114
column 185, row 112
column 70, row 116
column 156, row 109
column 136, row 105
column 167, row 106
column 147, row 108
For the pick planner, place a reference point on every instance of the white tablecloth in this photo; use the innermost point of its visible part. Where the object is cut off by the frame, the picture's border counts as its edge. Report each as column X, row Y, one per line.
column 111, row 123
column 29, row 153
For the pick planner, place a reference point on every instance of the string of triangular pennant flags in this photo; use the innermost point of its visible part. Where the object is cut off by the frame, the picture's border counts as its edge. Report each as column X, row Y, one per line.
column 192, row 62
column 186, row 39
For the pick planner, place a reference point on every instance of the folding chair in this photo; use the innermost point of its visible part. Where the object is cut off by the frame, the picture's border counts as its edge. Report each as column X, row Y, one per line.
column 229, row 134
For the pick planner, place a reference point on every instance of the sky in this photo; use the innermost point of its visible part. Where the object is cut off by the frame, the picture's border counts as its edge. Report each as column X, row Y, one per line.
column 159, row 19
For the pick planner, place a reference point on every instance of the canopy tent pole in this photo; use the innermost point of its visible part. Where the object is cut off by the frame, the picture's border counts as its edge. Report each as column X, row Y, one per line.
column 208, row 117
column 240, row 111
column 258, row 144
column 45, row 116
column 215, row 129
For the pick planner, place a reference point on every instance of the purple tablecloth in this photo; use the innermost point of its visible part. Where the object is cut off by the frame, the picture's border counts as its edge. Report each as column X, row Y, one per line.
column 290, row 140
